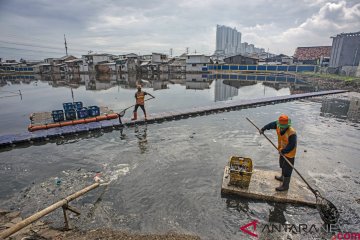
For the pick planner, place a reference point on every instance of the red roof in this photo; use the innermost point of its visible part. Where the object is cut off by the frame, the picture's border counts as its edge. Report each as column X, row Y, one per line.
column 312, row 53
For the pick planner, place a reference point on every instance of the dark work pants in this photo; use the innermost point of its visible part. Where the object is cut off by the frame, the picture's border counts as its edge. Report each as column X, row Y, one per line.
column 285, row 167
column 142, row 107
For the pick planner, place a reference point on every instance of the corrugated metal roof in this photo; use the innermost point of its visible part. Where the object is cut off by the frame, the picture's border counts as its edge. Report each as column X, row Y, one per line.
column 312, row 53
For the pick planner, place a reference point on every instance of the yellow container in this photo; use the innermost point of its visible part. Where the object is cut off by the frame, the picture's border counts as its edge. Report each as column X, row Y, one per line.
column 240, row 171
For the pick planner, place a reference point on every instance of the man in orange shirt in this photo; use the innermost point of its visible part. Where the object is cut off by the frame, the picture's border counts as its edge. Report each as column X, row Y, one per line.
column 140, row 101
column 287, row 141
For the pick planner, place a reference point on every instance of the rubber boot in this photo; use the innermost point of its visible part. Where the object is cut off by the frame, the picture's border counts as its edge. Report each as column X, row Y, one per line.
column 285, row 185
column 135, row 116
column 279, row 178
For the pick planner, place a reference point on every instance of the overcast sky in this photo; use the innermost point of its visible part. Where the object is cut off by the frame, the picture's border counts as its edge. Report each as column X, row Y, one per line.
column 34, row 29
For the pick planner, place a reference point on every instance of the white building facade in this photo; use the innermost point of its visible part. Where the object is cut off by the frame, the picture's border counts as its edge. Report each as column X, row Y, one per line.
column 157, row 58
column 197, row 63
column 96, row 58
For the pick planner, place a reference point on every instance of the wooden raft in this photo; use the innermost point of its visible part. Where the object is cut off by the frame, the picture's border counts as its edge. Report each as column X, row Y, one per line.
column 262, row 187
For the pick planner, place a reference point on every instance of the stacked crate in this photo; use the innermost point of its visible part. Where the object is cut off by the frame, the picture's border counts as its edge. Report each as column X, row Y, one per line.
column 73, row 111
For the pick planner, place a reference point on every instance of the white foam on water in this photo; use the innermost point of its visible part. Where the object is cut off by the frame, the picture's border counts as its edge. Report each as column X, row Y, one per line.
column 121, row 170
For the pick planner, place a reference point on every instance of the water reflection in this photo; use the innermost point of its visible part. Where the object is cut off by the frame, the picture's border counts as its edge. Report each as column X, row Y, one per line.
column 100, row 82
column 141, row 134
column 226, row 86
column 122, row 134
column 172, row 91
column 240, row 205
column 224, row 90
column 276, row 215
column 341, row 108
column 197, row 82
column 161, row 81
column 259, row 77
column 160, row 85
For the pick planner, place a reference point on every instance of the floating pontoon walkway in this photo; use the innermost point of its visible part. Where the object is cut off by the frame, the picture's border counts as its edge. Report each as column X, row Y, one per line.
column 44, row 135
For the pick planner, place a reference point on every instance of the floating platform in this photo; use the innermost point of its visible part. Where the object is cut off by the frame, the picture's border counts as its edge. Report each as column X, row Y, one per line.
column 11, row 140
column 262, row 187
column 44, row 120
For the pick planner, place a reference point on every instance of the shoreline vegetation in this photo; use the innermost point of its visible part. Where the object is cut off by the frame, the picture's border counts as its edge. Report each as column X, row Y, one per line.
column 331, row 81
column 328, row 76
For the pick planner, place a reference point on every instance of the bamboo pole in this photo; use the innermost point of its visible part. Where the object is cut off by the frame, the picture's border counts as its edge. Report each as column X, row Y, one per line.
column 46, row 211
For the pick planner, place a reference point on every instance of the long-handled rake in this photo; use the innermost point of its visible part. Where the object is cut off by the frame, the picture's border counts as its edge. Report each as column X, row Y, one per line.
column 122, row 113
column 328, row 212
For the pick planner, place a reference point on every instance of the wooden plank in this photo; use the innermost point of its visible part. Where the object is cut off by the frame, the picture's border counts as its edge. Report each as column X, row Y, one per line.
column 262, row 187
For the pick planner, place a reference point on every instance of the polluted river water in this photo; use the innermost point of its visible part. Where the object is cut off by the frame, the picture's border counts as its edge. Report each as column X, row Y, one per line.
column 167, row 177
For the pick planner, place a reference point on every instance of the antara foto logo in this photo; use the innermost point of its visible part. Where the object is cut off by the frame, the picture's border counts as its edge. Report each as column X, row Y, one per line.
column 245, row 228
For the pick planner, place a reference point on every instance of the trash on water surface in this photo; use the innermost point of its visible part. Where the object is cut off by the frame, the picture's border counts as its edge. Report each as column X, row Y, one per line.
column 97, row 178
column 57, row 181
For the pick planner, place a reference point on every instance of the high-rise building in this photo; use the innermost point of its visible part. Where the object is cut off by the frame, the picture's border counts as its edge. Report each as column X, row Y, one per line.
column 244, row 47
column 228, row 40
column 224, row 92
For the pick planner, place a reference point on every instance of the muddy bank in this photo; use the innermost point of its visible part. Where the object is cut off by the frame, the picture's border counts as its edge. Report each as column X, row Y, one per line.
column 110, row 234
column 325, row 83
column 41, row 230
column 42, row 194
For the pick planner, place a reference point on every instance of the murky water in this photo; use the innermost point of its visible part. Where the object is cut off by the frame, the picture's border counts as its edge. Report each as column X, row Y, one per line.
column 168, row 176
column 117, row 93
